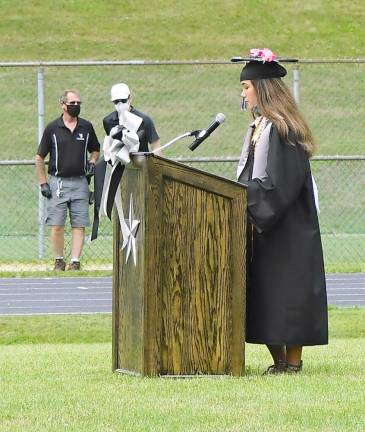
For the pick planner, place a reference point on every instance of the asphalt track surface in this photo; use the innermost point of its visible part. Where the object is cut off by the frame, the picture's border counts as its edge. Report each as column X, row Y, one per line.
column 81, row 295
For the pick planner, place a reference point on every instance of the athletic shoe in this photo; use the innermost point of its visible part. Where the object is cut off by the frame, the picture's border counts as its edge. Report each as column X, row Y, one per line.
column 59, row 264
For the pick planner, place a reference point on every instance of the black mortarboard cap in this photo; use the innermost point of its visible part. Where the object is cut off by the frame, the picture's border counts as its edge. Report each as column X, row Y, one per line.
column 261, row 64
column 257, row 69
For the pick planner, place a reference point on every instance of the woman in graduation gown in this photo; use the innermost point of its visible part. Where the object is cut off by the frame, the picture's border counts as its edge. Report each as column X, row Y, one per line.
column 286, row 298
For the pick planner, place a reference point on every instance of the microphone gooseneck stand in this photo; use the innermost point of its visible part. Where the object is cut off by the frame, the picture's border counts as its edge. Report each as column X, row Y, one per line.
column 194, row 133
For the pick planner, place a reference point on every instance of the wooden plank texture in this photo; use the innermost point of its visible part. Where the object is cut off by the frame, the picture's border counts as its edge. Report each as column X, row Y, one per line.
column 181, row 311
column 196, row 290
column 131, row 280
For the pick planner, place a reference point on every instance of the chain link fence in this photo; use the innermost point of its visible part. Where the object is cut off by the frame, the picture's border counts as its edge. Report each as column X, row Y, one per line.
column 181, row 97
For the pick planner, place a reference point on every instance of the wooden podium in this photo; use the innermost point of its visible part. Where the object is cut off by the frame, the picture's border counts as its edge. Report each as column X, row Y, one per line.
column 180, row 311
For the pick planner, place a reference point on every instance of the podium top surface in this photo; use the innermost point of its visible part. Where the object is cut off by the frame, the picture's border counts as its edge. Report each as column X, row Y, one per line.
column 139, row 159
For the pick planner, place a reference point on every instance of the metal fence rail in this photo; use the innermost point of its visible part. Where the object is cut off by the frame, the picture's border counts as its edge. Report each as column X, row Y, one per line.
column 341, row 183
column 182, row 96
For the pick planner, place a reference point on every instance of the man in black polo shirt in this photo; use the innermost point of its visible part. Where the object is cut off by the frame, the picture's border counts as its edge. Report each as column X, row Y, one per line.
column 67, row 140
column 122, row 100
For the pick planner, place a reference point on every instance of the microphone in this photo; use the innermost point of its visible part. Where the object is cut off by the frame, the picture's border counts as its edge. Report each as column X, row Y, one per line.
column 203, row 134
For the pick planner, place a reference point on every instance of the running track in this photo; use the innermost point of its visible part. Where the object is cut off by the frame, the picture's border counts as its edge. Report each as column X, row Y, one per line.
column 31, row 296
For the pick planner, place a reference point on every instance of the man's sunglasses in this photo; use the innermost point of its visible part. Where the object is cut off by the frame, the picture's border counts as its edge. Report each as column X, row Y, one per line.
column 73, row 103
column 115, row 102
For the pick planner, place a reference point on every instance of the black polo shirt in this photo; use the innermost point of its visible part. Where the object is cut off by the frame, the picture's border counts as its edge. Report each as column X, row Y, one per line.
column 68, row 150
column 146, row 132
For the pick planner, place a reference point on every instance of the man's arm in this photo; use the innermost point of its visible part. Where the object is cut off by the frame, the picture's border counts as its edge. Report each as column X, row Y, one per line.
column 40, row 167
column 156, row 145
column 151, row 133
column 93, row 148
column 109, row 122
column 94, row 156
column 41, row 174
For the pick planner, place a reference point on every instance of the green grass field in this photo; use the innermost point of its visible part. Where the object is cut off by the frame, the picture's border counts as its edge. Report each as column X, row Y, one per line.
column 193, row 29
column 55, row 371
column 185, row 97
column 180, row 97
column 56, row 376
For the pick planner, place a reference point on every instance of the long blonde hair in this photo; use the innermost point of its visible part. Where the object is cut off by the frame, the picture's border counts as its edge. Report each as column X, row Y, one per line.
column 276, row 103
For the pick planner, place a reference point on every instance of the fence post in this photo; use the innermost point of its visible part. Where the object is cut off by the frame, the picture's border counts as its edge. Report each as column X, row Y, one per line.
column 41, row 201
column 296, row 82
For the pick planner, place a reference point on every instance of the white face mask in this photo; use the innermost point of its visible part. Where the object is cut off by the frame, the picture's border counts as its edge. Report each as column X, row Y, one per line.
column 122, row 108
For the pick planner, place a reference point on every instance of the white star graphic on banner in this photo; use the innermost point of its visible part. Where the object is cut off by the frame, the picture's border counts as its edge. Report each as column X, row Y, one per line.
column 132, row 226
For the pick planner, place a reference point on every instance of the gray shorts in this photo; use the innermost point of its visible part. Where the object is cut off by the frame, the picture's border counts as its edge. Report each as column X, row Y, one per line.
column 68, row 193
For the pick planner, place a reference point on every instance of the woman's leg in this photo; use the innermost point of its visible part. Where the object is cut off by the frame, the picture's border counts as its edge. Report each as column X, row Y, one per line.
column 286, row 359
column 294, row 358
column 294, row 354
column 278, row 353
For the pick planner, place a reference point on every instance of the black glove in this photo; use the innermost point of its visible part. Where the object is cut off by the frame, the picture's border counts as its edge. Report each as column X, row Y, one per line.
column 46, row 190
column 91, row 197
column 90, row 169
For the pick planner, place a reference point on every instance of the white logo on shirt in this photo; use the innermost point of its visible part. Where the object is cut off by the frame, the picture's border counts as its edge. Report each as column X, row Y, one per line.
column 81, row 137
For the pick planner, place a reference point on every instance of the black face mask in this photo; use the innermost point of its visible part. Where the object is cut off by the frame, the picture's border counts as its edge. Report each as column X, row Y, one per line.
column 73, row 110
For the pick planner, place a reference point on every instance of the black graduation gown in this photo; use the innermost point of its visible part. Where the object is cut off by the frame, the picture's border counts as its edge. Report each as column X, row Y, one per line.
column 286, row 298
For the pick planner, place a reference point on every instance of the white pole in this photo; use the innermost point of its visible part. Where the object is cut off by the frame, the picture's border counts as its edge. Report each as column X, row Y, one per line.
column 296, row 82
column 41, row 201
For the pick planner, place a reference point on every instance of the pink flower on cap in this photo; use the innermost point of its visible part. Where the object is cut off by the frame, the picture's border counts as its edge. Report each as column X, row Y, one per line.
column 264, row 54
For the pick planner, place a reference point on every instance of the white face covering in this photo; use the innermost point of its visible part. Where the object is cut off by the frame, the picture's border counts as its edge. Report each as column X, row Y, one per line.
column 122, row 108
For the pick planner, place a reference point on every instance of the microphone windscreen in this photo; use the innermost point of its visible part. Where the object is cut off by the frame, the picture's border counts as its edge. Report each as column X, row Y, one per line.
column 220, row 117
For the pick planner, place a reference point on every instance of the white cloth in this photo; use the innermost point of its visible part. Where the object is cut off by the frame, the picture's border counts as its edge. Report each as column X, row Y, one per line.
column 118, row 151
column 315, row 192
column 130, row 121
column 261, row 154
column 261, row 151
